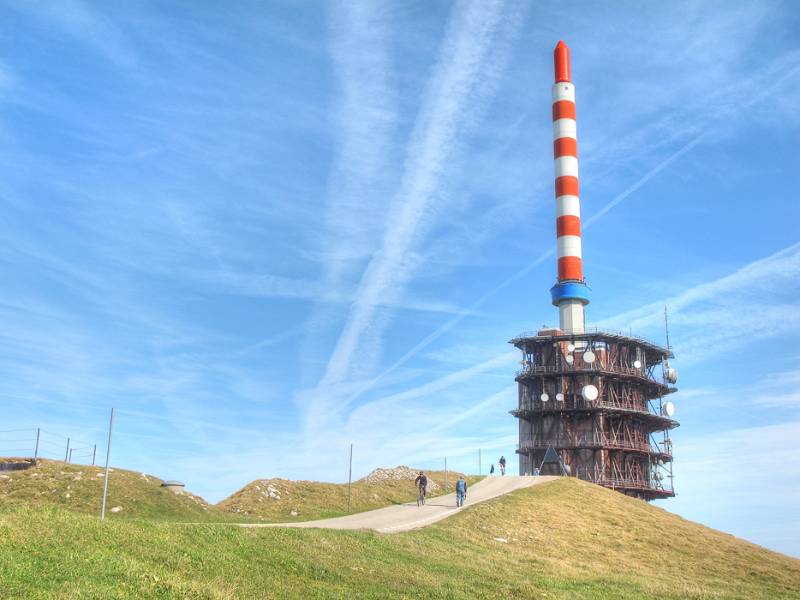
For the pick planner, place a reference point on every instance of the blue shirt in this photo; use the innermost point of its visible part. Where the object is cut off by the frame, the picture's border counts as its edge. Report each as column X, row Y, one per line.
column 461, row 485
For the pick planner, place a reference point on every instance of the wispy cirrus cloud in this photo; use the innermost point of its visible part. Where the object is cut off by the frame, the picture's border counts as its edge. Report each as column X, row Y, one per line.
column 89, row 25
column 755, row 302
column 463, row 80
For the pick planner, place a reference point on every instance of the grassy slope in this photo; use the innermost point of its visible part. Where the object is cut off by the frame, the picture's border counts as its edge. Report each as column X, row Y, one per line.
column 566, row 539
column 316, row 500
column 79, row 488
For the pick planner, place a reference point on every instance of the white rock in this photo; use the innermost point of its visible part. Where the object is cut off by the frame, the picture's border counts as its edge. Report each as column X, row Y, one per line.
column 116, row 509
column 294, row 513
column 66, row 495
column 501, row 540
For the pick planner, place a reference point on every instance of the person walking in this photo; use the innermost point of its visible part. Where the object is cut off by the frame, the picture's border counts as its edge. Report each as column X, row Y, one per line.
column 502, row 465
column 461, row 491
column 491, row 470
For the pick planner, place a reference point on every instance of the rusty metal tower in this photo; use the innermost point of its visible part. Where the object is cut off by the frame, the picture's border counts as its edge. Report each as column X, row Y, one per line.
column 597, row 399
column 590, row 400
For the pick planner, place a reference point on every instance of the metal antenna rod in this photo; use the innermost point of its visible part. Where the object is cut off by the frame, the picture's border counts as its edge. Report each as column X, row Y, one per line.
column 666, row 326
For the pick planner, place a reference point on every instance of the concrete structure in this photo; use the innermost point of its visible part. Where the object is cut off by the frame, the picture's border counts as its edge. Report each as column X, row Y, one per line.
column 173, row 486
column 590, row 401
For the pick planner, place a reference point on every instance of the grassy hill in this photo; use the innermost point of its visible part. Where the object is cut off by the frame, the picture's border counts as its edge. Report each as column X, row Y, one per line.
column 79, row 488
column 566, row 539
column 280, row 500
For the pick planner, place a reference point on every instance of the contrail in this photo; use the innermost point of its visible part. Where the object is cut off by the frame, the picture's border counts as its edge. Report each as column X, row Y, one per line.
column 447, row 326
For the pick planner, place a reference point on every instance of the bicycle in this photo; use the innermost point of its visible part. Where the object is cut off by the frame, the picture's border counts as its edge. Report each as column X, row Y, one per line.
column 421, row 495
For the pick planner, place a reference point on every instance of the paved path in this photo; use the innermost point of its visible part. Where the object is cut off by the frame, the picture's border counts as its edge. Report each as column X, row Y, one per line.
column 403, row 517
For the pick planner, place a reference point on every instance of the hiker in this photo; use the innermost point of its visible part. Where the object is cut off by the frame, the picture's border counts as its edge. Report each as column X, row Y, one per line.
column 502, row 465
column 491, row 470
column 461, row 491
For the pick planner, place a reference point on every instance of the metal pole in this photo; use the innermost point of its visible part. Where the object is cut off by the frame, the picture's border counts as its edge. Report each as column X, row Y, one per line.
column 94, row 453
column 108, row 457
column 36, row 450
column 66, row 454
column 445, row 474
column 70, row 454
column 350, row 479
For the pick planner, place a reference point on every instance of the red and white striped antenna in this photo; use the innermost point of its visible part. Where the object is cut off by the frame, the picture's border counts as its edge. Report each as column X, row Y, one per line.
column 570, row 294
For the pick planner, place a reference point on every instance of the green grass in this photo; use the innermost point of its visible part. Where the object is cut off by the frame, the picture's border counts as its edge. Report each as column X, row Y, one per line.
column 79, row 488
column 565, row 539
column 316, row 500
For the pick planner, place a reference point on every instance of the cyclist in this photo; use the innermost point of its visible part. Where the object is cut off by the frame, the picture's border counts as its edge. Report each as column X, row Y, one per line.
column 502, row 462
column 422, row 485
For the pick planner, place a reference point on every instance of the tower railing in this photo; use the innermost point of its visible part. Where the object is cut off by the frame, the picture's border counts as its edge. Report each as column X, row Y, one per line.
column 589, row 332
column 568, row 404
column 593, row 441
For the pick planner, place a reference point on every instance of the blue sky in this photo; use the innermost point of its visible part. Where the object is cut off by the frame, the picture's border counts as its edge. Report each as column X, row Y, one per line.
column 266, row 232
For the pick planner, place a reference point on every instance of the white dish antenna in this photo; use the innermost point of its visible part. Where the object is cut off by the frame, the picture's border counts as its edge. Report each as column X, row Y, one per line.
column 658, row 476
column 671, row 374
column 590, row 392
column 560, row 397
column 544, row 397
column 589, row 357
column 668, row 409
column 637, row 364
column 570, row 359
column 570, row 347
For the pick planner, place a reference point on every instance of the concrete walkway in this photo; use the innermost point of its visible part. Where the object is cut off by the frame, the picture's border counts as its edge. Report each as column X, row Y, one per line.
column 404, row 517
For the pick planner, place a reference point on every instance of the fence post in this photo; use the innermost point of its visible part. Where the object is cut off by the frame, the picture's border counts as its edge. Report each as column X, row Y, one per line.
column 70, row 455
column 350, row 479
column 94, row 453
column 445, row 474
column 66, row 454
column 108, row 457
column 36, row 450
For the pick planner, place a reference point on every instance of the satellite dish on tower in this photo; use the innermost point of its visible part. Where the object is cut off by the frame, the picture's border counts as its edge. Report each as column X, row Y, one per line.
column 668, row 409
column 637, row 364
column 590, row 392
column 569, row 359
column 588, row 357
column 544, row 397
column 560, row 397
column 670, row 374
column 570, row 347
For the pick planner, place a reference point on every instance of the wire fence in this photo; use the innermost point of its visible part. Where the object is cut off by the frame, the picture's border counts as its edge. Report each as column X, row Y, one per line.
column 36, row 442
